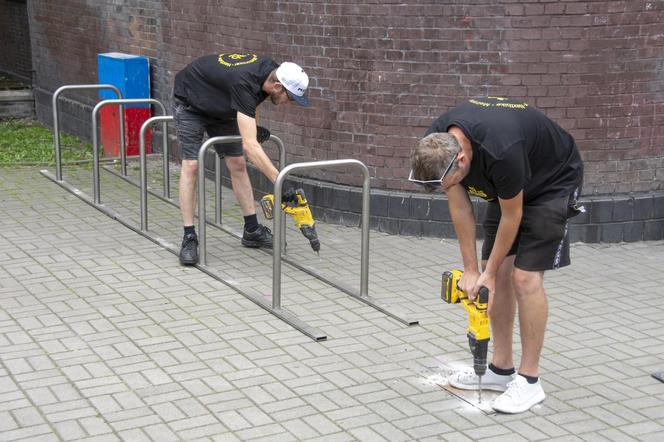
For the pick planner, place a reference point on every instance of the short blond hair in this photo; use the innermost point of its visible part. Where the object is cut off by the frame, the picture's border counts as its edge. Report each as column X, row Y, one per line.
column 432, row 154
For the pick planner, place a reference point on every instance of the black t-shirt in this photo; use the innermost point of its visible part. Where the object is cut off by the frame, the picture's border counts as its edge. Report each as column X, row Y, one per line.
column 515, row 147
column 220, row 85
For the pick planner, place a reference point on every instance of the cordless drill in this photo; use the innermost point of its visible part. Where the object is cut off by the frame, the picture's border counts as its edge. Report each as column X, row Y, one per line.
column 295, row 204
column 478, row 331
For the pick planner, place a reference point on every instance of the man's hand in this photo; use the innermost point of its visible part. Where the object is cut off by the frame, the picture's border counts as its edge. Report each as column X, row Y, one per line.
column 262, row 134
column 288, row 196
column 467, row 283
column 487, row 280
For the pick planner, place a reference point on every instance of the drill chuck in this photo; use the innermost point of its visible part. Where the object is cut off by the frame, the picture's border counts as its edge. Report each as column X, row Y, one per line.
column 309, row 232
column 479, row 351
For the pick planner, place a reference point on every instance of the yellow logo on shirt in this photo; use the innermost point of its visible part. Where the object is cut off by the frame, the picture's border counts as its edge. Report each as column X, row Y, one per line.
column 232, row 60
column 479, row 102
column 476, row 192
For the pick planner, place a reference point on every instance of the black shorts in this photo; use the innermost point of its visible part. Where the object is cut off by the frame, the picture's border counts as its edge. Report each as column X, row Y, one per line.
column 542, row 242
column 190, row 126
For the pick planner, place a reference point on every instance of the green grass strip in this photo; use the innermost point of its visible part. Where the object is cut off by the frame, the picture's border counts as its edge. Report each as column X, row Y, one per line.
column 29, row 142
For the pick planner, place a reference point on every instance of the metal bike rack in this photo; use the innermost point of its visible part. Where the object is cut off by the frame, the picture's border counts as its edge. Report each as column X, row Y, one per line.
column 279, row 216
column 258, row 298
column 247, row 292
column 143, row 160
column 56, row 120
column 95, row 136
column 202, row 241
column 279, row 224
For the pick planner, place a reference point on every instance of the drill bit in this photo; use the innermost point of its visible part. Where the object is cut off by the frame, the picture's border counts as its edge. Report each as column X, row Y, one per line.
column 309, row 232
column 479, row 396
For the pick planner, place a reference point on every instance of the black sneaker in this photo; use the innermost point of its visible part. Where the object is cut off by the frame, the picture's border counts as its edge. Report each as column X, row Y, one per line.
column 189, row 250
column 261, row 237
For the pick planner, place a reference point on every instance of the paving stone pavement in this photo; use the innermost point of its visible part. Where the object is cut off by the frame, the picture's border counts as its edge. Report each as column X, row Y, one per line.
column 104, row 336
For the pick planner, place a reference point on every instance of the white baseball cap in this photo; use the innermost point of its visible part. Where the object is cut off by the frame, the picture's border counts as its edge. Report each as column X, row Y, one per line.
column 295, row 80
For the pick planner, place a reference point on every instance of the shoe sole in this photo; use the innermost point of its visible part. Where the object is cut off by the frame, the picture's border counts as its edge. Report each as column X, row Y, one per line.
column 475, row 387
column 188, row 262
column 255, row 244
column 529, row 405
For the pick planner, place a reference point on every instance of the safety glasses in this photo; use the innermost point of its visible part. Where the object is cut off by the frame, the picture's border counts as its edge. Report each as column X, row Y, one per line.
column 433, row 184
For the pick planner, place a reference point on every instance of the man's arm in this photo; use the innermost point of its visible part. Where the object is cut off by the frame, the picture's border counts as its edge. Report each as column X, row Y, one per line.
column 511, row 211
column 463, row 218
column 252, row 147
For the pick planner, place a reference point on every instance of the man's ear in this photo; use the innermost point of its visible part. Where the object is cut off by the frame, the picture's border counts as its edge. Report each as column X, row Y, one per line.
column 278, row 87
column 462, row 159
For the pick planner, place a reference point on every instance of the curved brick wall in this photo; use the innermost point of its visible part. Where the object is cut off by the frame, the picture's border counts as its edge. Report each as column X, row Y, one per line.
column 382, row 70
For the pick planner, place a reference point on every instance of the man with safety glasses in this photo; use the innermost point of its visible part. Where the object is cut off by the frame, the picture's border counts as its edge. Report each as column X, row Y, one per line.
column 530, row 172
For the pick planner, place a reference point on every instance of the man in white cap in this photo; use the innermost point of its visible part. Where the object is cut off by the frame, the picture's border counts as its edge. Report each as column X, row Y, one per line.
column 219, row 94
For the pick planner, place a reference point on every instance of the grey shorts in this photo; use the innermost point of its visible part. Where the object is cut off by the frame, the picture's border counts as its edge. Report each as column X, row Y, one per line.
column 542, row 242
column 190, row 127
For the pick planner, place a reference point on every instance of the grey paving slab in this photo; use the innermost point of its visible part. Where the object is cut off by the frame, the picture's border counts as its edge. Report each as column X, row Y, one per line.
column 104, row 336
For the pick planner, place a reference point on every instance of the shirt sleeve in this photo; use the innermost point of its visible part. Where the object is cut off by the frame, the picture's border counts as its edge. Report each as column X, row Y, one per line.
column 510, row 173
column 242, row 100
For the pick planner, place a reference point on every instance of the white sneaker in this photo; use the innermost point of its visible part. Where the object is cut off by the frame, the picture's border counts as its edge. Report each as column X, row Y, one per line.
column 468, row 380
column 519, row 397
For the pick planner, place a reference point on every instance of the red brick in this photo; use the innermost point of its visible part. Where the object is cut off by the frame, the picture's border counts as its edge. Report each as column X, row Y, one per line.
column 382, row 71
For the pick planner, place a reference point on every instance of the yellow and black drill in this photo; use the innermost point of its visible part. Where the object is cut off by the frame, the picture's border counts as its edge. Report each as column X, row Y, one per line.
column 294, row 203
column 478, row 330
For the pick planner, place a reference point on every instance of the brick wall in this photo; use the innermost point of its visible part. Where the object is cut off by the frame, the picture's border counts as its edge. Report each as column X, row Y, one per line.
column 15, row 55
column 382, row 70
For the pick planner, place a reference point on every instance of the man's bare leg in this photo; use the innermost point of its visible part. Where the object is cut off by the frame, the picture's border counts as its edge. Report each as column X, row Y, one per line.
column 187, row 190
column 526, row 390
column 237, row 166
column 533, row 312
column 501, row 315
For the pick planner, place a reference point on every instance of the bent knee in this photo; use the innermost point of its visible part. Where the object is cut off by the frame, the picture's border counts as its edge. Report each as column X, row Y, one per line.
column 189, row 166
column 526, row 282
column 236, row 164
